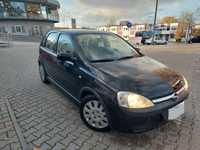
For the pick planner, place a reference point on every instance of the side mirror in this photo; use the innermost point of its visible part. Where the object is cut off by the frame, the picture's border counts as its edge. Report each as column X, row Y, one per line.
column 63, row 56
column 66, row 56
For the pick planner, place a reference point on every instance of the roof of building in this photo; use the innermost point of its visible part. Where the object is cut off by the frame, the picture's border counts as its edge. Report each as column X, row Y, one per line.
column 53, row 2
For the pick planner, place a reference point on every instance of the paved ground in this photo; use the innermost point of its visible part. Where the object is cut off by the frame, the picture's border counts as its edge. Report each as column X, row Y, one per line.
column 46, row 117
column 8, row 135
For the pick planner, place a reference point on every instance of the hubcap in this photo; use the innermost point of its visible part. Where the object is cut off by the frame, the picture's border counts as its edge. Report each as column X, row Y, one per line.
column 42, row 75
column 94, row 113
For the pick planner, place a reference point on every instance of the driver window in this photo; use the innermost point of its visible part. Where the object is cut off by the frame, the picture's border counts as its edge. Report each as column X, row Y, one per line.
column 65, row 44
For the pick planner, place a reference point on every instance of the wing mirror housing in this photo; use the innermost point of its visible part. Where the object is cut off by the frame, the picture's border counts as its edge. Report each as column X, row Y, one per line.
column 63, row 57
column 66, row 56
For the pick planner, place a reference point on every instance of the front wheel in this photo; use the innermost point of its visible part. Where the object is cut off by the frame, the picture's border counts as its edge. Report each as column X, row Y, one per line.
column 94, row 115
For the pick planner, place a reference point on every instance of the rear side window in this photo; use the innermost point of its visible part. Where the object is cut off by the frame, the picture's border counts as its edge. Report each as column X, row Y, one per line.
column 51, row 42
column 65, row 44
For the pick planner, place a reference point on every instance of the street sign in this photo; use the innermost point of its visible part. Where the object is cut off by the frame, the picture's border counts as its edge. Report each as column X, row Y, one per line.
column 129, row 24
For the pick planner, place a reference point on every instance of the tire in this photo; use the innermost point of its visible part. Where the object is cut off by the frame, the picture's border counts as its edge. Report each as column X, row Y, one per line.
column 93, row 113
column 43, row 74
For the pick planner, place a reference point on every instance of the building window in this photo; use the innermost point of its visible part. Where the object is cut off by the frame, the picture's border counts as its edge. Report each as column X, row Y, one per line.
column 173, row 28
column 125, row 29
column 17, row 9
column 52, row 13
column 18, row 29
column 172, row 36
column 33, row 10
column 1, row 9
column 44, row 11
column 2, row 29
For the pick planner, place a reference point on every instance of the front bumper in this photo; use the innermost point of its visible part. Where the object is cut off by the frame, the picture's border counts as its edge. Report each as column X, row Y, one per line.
column 141, row 120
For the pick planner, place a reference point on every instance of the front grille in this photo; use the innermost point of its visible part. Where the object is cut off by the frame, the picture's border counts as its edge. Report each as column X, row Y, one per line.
column 178, row 85
column 166, row 98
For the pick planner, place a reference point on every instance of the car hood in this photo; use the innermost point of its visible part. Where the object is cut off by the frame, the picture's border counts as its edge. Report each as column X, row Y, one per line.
column 142, row 75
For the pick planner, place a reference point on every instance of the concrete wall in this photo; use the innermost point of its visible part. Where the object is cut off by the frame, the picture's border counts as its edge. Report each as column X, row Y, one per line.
column 28, row 26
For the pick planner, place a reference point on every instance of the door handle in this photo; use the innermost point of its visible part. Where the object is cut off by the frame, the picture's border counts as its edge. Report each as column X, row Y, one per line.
column 68, row 63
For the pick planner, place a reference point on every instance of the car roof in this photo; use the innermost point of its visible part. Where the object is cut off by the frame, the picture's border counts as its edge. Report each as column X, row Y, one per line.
column 77, row 31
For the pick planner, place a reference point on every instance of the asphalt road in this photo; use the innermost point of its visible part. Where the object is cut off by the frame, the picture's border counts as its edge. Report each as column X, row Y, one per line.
column 48, row 118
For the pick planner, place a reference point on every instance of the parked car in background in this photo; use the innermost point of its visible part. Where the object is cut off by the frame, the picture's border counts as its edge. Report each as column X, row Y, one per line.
column 155, row 42
column 115, row 85
column 195, row 39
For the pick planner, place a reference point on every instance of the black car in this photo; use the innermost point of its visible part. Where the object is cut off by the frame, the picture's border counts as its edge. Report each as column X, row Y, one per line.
column 195, row 39
column 115, row 85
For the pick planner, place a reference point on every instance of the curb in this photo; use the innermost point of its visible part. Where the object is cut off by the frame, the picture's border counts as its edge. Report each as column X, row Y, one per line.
column 16, row 126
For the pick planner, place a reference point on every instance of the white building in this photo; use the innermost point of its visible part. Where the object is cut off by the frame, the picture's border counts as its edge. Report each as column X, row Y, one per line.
column 104, row 29
column 166, row 31
column 134, row 34
column 28, row 17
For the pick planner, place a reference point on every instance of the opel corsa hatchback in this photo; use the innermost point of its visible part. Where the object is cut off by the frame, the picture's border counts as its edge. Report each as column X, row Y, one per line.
column 114, row 84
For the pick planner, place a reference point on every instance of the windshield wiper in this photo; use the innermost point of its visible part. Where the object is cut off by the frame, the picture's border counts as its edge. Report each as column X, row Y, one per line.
column 103, row 60
column 126, row 57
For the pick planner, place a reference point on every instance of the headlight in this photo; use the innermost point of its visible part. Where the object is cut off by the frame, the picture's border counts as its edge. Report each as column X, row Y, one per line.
column 186, row 86
column 132, row 100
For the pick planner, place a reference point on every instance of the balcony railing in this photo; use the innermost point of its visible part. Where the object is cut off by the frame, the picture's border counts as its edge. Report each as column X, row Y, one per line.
column 49, row 17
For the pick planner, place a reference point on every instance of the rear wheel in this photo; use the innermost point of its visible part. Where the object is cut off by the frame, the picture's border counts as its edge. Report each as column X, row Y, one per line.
column 94, row 115
column 43, row 75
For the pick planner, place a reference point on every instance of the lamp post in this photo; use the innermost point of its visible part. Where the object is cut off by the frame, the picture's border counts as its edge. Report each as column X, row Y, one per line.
column 155, row 19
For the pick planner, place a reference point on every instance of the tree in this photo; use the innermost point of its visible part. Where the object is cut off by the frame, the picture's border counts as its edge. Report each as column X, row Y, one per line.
column 186, row 21
column 179, row 32
column 169, row 19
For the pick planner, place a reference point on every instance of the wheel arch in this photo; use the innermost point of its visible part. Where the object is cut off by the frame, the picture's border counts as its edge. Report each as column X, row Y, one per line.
column 88, row 91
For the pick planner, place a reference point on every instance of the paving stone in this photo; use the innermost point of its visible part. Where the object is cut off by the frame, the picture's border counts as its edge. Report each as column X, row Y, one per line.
column 68, row 139
column 54, row 140
column 59, row 146
column 45, row 147
column 47, row 117
column 8, row 136
column 41, row 140
column 72, row 146
column 31, row 138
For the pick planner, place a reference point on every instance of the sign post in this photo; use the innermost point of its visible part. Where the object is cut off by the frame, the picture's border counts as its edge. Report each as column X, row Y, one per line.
column 155, row 19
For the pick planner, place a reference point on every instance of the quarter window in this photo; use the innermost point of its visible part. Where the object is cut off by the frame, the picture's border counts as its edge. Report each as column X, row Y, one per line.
column 51, row 42
column 65, row 44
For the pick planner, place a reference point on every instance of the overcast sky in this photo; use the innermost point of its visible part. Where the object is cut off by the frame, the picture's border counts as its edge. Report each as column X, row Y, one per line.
column 91, row 13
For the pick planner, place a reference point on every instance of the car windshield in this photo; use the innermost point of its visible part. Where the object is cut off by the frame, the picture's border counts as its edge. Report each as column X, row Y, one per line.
column 105, row 47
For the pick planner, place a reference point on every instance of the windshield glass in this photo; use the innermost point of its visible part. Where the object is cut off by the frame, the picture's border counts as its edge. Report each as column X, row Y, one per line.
column 105, row 47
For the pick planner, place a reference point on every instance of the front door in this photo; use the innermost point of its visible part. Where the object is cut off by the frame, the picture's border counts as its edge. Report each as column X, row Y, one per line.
column 68, row 70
